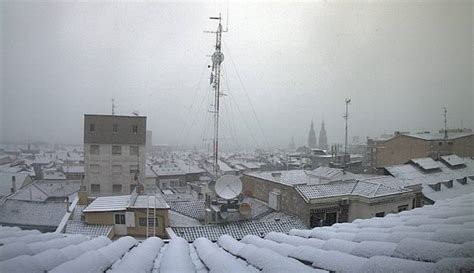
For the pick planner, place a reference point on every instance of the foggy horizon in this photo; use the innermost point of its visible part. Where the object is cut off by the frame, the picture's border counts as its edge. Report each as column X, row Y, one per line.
column 399, row 62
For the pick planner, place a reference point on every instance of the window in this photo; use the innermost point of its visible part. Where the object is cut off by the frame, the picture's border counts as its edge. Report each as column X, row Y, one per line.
column 95, row 150
column 95, row 168
column 95, row 187
column 133, row 150
column 92, row 127
column 119, row 219
column 402, row 208
column 380, row 214
column 116, row 169
column 463, row 181
column 450, row 143
column 440, row 143
column 436, row 187
column 116, row 150
column 115, row 128
column 133, row 169
column 117, row 188
column 448, row 184
column 135, row 129
column 142, row 221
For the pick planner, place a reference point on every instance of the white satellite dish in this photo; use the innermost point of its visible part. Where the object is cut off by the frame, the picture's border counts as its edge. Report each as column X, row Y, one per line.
column 228, row 186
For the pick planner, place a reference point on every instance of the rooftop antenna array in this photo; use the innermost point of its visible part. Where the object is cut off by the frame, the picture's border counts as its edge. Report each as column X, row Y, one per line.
column 217, row 58
column 346, row 117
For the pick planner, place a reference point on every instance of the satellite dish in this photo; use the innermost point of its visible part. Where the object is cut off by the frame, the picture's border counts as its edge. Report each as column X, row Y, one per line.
column 228, row 186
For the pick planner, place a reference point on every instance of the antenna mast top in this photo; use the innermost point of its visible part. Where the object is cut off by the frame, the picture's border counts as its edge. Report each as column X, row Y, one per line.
column 346, row 117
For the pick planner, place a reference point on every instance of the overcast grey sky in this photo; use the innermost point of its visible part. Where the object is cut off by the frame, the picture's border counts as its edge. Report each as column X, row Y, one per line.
column 401, row 62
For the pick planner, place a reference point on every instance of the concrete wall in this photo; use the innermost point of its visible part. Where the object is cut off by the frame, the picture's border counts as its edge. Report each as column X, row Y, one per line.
column 107, row 174
column 104, row 133
column 163, row 222
column 401, row 149
column 361, row 209
column 107, row 218
column 291, row 202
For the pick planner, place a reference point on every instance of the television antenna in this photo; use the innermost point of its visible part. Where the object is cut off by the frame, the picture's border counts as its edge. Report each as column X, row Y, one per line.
column 346, row 117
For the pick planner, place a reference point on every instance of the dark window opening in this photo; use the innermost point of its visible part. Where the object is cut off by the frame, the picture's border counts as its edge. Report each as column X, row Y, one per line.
column 380, row 214
column 119, row 219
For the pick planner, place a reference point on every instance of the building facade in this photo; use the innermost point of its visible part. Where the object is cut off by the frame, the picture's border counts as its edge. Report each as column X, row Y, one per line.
column 401, row 147
column 114, row 153
column 322, row 204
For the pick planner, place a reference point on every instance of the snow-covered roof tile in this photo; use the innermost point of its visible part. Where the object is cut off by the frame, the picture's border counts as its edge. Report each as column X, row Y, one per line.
column 441, row 240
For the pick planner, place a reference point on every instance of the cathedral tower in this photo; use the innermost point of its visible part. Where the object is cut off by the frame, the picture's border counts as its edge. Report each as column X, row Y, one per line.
column 323, row 140
column 312, row 137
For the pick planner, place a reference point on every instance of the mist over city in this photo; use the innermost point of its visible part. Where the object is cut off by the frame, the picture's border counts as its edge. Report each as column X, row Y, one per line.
column 285, row 65
column 236, row 136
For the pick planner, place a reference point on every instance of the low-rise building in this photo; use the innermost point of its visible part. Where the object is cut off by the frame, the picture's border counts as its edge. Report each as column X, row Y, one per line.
column 134, row 214
column 324, row 200
column 401, row 147
column 448, row 177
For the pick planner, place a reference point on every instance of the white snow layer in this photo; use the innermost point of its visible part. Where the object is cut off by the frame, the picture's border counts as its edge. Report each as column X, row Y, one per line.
column 176, row 257
column 98, row 260
column 141, row 258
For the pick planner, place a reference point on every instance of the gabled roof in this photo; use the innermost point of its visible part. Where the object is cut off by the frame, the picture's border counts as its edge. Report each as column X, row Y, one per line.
column 342, row 188
column 426, row 163
column 453, row 160
column 123, row 202
column 436, row 238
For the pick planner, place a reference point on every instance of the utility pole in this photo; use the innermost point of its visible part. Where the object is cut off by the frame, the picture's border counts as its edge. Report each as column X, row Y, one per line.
column 445, row 123
column 113, row 107
column 346, row 117
column 217, row 59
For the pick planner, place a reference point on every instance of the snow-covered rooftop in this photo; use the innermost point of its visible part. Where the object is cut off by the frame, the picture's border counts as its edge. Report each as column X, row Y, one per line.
column 436, row 238
column 462, row 178
column 359, row 188
column 122, row 202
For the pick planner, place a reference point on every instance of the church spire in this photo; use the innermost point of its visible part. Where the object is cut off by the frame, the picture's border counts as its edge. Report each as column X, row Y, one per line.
column 323, row 140
column 312, row 136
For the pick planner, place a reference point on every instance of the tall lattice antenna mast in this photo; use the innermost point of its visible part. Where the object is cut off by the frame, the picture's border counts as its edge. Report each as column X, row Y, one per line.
column 346, row 117
column 217, row 59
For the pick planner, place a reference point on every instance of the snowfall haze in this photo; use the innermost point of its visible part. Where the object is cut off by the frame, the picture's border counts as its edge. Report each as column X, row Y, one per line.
column 400, row 62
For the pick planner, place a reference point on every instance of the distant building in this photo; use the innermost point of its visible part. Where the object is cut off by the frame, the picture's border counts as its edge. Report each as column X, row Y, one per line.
column 401, row 147
column 323, row 140
column 114, row 153
column 292, row 145
column 312, row 137
column 448, row 177
column 149, row 141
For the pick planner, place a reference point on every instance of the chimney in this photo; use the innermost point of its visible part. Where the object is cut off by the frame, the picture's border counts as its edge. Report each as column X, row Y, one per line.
column 276, row 176
column 13, row 189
